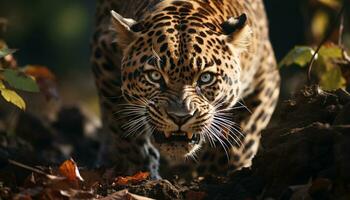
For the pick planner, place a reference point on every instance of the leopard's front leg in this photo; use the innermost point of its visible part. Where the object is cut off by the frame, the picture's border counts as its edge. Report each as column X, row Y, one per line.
column 261, row 104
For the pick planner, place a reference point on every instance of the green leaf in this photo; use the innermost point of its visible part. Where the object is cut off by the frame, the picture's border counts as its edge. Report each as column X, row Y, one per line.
column 12, row 97
column 299, row 55
column 331, row 52
column 332, row 78
column 20, row 81
column 5, row 51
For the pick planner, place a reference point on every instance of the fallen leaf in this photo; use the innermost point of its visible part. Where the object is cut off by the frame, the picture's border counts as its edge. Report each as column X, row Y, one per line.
column 124, row 195
column 191, row 195
column 69, row 169
column 320, row 186
column 140, row 176
column 300, row 192
column 78, row 194
column 22, row 197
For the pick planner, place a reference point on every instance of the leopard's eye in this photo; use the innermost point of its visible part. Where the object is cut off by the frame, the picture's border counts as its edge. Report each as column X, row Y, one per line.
column 154, row 76
column 206, row 78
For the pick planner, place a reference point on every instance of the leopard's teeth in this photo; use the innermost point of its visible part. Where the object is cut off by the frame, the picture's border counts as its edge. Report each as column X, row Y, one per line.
column 189, row 135
column 167, row 134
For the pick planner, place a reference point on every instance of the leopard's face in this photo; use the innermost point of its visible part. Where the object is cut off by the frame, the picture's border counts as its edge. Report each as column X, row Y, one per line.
column 180, row 80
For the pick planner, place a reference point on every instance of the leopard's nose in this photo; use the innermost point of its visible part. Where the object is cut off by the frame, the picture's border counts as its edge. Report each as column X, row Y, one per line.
column 179, row 117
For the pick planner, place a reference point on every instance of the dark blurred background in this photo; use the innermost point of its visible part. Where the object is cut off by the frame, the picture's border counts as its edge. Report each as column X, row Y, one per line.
column 52, row 33
column 57, row 34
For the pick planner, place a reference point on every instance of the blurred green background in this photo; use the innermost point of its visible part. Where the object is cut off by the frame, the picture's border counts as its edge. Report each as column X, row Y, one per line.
column 57, row 34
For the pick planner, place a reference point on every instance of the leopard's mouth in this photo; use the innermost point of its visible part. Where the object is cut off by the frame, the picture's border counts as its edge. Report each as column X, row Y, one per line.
column 182, row 137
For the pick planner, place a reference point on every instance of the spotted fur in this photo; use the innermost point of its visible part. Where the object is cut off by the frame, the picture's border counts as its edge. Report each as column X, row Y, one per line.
column 182, row 68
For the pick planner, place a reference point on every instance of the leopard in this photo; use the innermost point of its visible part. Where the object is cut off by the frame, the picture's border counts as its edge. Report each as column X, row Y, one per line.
column 183, row 80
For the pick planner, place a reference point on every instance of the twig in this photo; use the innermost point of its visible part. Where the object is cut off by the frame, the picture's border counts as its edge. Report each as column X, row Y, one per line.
column 18, row 164
column 325, row 39
column 341, row 30
column 346, row 56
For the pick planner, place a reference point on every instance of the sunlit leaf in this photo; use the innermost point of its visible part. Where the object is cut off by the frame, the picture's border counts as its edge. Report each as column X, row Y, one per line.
column 69, row 169
column 12, row 97
column 332, row 79
column 5, row 51
column 331, row 51
column 140, row 176
column 299, row 55
column 20, row 81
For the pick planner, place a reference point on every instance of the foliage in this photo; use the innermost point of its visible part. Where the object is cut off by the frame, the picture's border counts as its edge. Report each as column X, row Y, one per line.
column 326, row 68
column 12, row 97
column 299, row 55
column 19, row 80
column 15, row 80
column 29, row 79
column 6, row 51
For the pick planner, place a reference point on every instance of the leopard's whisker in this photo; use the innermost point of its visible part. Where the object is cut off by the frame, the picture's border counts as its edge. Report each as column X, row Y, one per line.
column 244, row 106
column 136, row 126
column 214, row 132
column 236, row 139
column 231, row 109
column 229, row 123
column 219, row 133
column 210, row 138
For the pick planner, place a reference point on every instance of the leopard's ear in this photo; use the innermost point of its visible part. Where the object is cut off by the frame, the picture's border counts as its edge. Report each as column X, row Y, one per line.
column 237, row 32
column 123, row 28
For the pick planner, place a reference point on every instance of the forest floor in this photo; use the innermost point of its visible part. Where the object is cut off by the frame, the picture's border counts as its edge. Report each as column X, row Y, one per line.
column 305, row 154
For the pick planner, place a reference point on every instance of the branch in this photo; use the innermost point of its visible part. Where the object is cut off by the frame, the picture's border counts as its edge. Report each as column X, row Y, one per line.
column 325, row 39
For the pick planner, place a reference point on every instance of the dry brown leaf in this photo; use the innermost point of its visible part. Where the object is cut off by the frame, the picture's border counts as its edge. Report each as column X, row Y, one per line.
column 69, row 169
column 124, row 195
column 194, row 195
column 320, row 185
column 78, row 194
column 45, row 79
column 22, row 197
column 138, row 177
column 39, row 72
